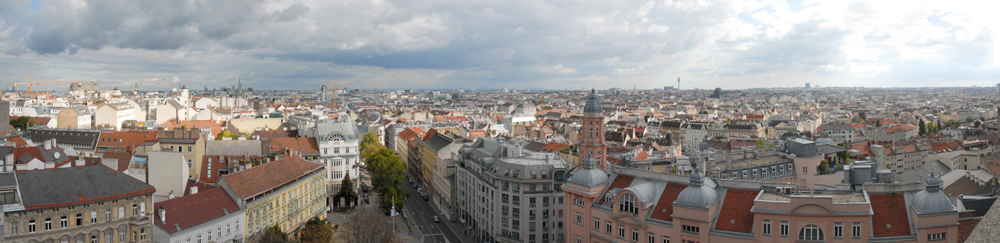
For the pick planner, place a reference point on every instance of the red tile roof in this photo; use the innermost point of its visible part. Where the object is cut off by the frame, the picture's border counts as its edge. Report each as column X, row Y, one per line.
column 665, row 206
column 123, row 159
column 890, row 218
column 965, row 227
column 215, row 126
column 410, row 133
column 621, row 181
column 305, row 144
column 735, row 214
column 125, row 139
column 189, row 211
column 257, row 180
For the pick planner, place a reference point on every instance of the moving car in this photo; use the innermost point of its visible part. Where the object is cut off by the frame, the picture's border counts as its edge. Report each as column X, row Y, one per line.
column 436, row 219
column 425, row 196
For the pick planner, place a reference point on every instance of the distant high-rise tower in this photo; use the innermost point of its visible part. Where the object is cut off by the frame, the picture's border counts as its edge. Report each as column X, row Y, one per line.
column 592, row 132
column 807, row 85
column 998, row 88
column 679, row 83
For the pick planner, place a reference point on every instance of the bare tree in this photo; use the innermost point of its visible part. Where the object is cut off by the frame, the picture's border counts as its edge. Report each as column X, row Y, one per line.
column 367, row 225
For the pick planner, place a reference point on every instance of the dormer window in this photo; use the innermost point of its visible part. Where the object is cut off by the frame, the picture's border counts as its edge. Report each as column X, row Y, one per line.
column 627, row 204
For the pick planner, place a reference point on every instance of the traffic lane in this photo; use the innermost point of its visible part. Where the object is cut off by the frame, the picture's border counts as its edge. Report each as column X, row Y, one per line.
column 426, row 215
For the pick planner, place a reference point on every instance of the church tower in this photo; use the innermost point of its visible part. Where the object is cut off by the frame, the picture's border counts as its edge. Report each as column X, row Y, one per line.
column 592, row 133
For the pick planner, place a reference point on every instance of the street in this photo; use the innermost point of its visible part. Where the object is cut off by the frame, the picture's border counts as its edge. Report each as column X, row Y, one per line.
column 422, row 214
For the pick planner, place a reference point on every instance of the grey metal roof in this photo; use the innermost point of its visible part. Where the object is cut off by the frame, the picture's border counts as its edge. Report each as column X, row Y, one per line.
column 646, row 191
column 696, row 195
column 932, row 199
column 438, row 141
column 593, row 105
column 178, row 140
column 82, row 138
column 68, row 185
column 233, row 147
column 589, row 176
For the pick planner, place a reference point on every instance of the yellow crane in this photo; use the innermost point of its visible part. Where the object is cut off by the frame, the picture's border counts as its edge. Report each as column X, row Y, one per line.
column 29, row 83
column 335, row 87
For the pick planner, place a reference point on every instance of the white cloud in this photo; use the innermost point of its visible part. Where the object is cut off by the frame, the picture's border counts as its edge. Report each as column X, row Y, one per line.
column 557, row 69
column 275, row 43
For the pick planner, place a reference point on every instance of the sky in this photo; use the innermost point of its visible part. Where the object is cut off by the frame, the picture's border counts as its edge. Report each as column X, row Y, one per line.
column 489, row 45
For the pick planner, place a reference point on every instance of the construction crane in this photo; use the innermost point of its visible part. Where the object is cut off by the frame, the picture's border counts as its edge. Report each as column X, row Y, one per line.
column 335, row 87
column 29, row 83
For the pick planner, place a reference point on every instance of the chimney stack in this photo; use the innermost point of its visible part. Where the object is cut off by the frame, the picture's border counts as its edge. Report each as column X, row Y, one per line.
column 48, row 145
column 194, row 190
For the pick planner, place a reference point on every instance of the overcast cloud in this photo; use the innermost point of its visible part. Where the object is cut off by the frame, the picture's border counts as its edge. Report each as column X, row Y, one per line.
column 559, row 44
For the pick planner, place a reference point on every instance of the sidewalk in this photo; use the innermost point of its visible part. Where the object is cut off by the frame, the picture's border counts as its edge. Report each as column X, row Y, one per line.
column 407, row 229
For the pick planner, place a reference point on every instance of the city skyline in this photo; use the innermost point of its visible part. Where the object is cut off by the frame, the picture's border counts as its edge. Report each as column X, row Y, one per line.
column 489, row 46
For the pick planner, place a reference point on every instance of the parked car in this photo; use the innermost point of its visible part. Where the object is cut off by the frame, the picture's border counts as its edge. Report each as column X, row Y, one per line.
column 425, row 196
column 437, row 219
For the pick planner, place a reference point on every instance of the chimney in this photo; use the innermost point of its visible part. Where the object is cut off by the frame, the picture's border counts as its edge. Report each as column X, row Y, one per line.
column 48, row 145
column 163, row 215
column 54, row 144
column 194, row 190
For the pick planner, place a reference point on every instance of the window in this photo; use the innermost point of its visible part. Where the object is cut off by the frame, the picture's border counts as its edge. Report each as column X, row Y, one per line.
column 635, row 235
column 31, row 226
column 135, row 209
column 811, row 232
column 651, row 238
column 621, row 231
column 13, row 229
column 189, row 164
column 63, row 222
column 838, row 230
column 766, row 228
column 666, row 239
column 856, row 229
column 229, row 228
column 597, row 223
column 48, row 224
column 627, row 204
column 107, row 215
column 609, row 227
column 579, row 218
column 79, row 219
column 108, row 237
column 121, row 236
column 93, row 238
column 190, row 148
column 121, row 212
column 578, row 200
column 690, row 229
column 784, row 228
column 93, row 217
column 936, row 236
column 805, row 170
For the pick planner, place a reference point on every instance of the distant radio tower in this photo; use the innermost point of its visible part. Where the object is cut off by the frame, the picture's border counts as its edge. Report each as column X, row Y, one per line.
column 678, row 83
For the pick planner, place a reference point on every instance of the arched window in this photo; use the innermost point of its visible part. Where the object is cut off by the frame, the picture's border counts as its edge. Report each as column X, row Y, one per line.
column 627, row 204
column 811, row 232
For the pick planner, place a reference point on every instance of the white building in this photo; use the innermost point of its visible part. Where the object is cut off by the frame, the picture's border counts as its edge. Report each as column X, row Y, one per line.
column 337, row 139
column 505, row 193
column 207, row 215
column 113, row 115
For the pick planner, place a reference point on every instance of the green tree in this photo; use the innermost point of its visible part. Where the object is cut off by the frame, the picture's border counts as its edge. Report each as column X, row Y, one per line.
column 931, row 128
column 388, row 174
column 274, row 234
column 863, row 116
column 346, row 190
column 20, row 123
column 760, row 142
column 227, row 133
column 316, row 231
column 369, row 145
column 367, row 225
column 923, row 128
column 969, row 119
column 878, row 123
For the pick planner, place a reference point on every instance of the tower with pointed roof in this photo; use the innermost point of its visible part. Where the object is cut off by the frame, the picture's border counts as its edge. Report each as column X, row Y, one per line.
column 591, row 142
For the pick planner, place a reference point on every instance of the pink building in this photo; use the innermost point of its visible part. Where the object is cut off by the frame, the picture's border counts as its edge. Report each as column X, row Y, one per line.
column 592, row 143
column 629, row 205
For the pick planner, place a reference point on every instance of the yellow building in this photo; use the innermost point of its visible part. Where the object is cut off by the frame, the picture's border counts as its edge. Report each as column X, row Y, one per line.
column 286, row 193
